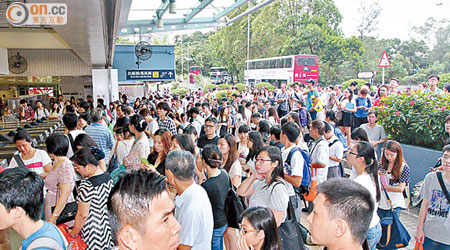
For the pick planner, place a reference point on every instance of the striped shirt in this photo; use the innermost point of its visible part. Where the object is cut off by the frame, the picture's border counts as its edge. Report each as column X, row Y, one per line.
column 168, row 124
column 102, row 136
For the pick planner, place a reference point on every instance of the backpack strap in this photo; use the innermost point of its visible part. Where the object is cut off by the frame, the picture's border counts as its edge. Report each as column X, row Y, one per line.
column 71, row 142
column 443, row 187
column 44, row 242
column 19, row 161
column 333, row 142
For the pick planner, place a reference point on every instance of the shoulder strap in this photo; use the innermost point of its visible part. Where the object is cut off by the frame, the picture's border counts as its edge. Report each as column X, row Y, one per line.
column 312, row 150
column 44, row 242
column 333, row 142
column 443, row 187
column 71, row 142
column 291, row 154
column 19, row 161
column 387, row 196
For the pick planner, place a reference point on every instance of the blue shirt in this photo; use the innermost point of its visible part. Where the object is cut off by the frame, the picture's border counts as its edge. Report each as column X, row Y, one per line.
column 102, row 136
column 308, row 99
column 47, row 230
column 361, row 113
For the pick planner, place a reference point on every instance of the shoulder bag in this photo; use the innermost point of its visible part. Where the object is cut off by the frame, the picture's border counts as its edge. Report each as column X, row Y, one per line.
column 68, row 213
column 394, row 234
column 291, row 235
column 234, row 206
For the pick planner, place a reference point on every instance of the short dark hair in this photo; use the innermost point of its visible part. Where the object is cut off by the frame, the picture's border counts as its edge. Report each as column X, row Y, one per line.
column 138, row 188
column 328, row 127
column 354, row 83
column 84, row 105
column 23, row 101
column 276, row 131
column 181, row 163
column 256, row 115
column 350, row 201
column 373, row 112
column 433, row 75
column 194, row 110
column 291, row 130
column 211, row 119
column 22, row 134
column 70, row 108
column 244, row 128
column 57, row 144
column 319, row 125
column 20, row 187
column 164, row 106
column 70, row 121
column 190, row 130
column 359, row 134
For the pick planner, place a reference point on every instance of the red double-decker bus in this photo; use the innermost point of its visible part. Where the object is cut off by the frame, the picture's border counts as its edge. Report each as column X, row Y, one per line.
column 276, row 70
column 194, row 70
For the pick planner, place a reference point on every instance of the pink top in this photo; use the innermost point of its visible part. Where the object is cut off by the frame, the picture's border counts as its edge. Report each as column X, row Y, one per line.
column 62, row 174
column 140, row 149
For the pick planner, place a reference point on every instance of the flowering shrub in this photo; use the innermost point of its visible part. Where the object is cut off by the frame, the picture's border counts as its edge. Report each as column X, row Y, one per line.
column 346, row 84
column 179, row 91
column 209, row 86
column 264, row 84
column 224, row 86
column 444, row 78
column 240, row 86
column 415, row 118
column 225, row 93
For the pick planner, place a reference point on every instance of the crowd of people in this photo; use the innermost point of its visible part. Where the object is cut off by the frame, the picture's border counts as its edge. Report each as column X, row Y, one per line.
column 156, row 172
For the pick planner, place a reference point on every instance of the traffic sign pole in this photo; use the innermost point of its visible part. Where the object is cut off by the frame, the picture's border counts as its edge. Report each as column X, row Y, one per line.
column 383, row 76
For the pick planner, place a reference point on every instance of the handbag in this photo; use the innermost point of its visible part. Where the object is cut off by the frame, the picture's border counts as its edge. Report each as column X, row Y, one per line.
column 118, row 172
column 234, row 207
column 76, row 243
column 291, row 232
column 312, row 193
column 419, row 246
column 394, row 234
column 68, row 213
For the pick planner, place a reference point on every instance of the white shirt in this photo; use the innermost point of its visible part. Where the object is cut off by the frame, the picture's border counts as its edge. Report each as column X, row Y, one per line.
column 152, row 127
column 198, row 123
column 34, row 164
column 74, row 134
column 123, row 149
column 194, row 213
column 366, row 181
column 337, row 149
column 297, row 161
column 320, row 154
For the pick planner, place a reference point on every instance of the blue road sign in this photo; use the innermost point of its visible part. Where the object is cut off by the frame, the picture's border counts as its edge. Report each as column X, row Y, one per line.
column 151, row 75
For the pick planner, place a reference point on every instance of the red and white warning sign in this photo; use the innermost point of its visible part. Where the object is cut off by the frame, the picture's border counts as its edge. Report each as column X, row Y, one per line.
column 384, row 62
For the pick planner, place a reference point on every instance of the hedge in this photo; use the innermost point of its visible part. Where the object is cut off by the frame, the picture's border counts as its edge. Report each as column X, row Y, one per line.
column 179, row 91
column 225, row 93
column 443, row 79
column 346, row 84
column 415, row 118
column 264, row 84
column 240, row 86
column 209, row 86
column 224, row 86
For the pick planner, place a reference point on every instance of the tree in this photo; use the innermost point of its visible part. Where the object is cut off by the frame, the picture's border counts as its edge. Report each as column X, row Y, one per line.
column 368, row 17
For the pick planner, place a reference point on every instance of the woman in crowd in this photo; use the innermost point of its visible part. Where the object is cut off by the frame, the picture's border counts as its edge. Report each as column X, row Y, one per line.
column 394, row 175
column 383, row 91
column 359, row 134
column 243, row 149
column 151, row 127
column 92, row 215
column 41, row 111
column 266, row 186
column 85, row 141
column 183, row 142
column 273, row 116
column 124, row 142
column 226, row 121
column 60, row 180
column 160, row 150
column 83, row 121
column 55, row 112
column 348, row 107
column 255, row 143
column 362, row 157
column 140, row 148
column 258, row 230
column 36, row 160
column 240, row 119
column 264, row 129
column 216, row 185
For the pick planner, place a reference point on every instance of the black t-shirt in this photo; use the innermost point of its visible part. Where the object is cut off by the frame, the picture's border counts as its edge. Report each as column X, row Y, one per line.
column 123, row 121
column 203, row 141
column 217, row 188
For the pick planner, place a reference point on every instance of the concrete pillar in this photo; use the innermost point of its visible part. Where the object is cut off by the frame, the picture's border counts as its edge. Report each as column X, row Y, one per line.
column 4, row 69
column 105, row 85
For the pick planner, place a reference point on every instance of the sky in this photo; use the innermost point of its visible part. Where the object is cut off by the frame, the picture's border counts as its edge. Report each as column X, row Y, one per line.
column 395, row 21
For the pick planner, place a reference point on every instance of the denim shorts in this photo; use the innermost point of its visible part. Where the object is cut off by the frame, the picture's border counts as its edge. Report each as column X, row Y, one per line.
column 430, row 244
column 374, row 236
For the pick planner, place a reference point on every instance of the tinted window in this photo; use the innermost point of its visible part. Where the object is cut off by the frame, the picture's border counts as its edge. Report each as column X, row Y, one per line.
column 306, row 61
column 288, row 63
column 279, row 63
column 273, row 64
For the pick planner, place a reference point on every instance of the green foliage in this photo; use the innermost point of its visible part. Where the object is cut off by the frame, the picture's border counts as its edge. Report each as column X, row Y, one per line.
column 240, row 86
column 224, row 86
column 209, row 86
column 415, row 118
column 225, row 93
column 443, row 79
column 264, row 85
column 346, row 84
column 179, row 91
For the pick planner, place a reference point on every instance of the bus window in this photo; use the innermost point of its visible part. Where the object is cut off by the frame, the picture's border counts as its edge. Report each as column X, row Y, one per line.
column 288, row 63
column 306, row 61
column 265, row 64
column 252, row 65
column 258, row 65
column 279, row 64
column 273, row 64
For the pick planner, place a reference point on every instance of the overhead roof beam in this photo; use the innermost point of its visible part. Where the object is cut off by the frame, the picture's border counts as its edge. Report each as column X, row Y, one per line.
column 250, row 11
column 197, row 10
column 228, row 10
column 162, row 9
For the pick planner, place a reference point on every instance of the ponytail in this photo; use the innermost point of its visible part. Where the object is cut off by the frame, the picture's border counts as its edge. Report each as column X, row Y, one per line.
column 367, row 151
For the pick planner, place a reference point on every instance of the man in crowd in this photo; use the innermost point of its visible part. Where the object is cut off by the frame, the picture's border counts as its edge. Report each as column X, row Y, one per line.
column 393, row 86
column 70, row 121
column 433, row 81
column 254, row 121
column 296, row 97
column 162, row 109
column 122, row 117
column 282, row 100
column 83, row 107
column 102, row 136
column 149, row 222
column 26, row 112
column 193, row 208
column 336, row 152
column 197, row 120
column 377, row 135
column 342, row 213
column 354, row 87
column 311, row 99
column 210, row 136
column 21, row 199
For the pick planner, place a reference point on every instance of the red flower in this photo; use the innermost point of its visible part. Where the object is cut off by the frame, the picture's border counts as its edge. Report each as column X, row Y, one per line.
column 397, row 113
column 408, row 93
column 412, row 103
column 443, row 108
